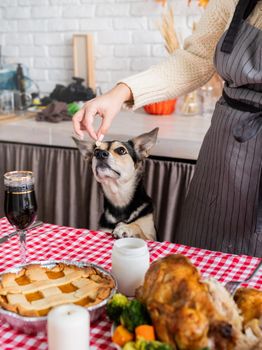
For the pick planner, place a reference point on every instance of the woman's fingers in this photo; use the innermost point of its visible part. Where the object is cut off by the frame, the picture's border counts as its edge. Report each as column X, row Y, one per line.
column 105, row 125
column 106, row 107
column 83, row 121
column 77, row 123
column 87, row 123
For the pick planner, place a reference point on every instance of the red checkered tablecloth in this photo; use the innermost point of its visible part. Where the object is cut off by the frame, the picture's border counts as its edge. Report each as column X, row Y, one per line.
column 60, row 243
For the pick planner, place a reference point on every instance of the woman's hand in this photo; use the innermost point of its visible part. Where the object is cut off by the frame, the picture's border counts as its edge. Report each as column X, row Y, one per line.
column 106, row 106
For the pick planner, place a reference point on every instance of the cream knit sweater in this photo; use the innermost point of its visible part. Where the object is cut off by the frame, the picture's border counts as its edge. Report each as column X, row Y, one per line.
column 192, row 66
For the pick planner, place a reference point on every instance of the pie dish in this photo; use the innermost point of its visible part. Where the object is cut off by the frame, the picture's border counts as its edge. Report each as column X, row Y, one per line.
column 28, row 292
column 35, row 289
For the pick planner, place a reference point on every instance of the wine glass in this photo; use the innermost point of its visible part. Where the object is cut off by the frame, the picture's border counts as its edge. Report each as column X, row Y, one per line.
column 20, row 204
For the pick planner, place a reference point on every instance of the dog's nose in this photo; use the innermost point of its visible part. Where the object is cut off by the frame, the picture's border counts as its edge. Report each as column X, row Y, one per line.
column 101, row 154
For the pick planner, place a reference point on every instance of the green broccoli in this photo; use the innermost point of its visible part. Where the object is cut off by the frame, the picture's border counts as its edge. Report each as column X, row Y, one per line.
column 131, row 345
column 115, row 307
column 134, row 314
column 152, row 345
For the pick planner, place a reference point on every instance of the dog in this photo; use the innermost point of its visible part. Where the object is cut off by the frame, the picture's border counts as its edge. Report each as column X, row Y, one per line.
column 118, row 167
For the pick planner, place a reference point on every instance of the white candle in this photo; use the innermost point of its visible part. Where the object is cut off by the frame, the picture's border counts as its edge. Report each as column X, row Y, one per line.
column 130, row 261
column 68, row 328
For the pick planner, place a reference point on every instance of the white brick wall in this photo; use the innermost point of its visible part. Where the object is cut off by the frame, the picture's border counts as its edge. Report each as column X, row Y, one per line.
column 38, row 33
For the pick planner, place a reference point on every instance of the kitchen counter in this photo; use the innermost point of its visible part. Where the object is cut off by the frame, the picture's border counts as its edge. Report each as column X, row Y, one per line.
column 179, row 137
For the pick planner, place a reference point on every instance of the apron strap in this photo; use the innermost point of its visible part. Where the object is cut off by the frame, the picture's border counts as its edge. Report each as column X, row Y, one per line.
column 243, row 10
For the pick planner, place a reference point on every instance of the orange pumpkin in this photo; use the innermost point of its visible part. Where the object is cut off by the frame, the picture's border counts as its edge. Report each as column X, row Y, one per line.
column 161, row 108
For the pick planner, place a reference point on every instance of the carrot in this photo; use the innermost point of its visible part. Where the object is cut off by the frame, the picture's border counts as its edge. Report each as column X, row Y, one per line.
column 145, row 332
column 121, row 336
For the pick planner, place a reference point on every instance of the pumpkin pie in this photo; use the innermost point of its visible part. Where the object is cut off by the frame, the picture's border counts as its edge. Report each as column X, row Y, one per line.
column 35, row 289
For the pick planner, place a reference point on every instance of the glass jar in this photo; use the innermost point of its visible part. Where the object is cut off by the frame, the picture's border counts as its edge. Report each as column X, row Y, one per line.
column 208, row 101
column 6, row 102
column 190, row 104
column 130, row 261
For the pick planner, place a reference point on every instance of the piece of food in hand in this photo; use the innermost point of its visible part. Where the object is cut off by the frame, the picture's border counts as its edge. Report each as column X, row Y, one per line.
column 145, row 332
column 181, row 308
column 134, row 314
column 121, row 336
column 115, row 307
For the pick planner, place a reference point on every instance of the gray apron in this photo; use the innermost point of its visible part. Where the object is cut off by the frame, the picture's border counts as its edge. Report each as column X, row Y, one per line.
column 223, row 208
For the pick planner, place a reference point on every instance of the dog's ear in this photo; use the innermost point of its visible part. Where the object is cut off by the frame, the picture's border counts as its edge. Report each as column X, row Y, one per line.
column 86, row 148
column 143, row 143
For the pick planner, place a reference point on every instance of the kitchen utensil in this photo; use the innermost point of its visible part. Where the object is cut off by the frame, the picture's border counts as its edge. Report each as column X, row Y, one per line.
column 232, row 286
column 6, row 238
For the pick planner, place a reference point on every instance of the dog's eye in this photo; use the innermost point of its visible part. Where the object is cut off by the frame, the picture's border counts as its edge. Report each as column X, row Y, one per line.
column 121, row 151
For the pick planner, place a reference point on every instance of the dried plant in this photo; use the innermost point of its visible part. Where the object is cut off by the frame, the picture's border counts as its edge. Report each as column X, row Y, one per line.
column 167, row 26
column 168, row 32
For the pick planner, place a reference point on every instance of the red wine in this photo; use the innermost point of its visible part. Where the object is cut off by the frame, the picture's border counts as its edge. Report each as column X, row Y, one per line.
column 20, row 205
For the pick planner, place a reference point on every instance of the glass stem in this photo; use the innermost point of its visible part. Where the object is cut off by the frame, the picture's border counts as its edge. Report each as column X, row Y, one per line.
column 22, row 239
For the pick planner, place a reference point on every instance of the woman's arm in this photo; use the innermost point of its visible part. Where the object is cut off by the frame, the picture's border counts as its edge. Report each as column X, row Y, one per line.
column 185, row 71
column 190, row 67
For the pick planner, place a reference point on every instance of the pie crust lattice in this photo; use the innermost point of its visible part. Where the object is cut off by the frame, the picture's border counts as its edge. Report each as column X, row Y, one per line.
column 35, row 289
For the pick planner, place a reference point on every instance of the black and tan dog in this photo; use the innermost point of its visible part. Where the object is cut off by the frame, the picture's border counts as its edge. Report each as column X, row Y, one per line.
column 118, row 166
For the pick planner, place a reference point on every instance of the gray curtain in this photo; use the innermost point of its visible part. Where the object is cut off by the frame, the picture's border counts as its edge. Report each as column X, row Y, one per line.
column 68, row 194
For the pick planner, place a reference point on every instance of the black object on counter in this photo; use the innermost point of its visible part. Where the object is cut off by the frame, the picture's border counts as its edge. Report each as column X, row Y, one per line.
column 45, row 101
column 20, row 83
column 74, row 92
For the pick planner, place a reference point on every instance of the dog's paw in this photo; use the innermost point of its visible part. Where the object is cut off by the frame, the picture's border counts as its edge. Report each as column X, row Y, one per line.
column 123, row 231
